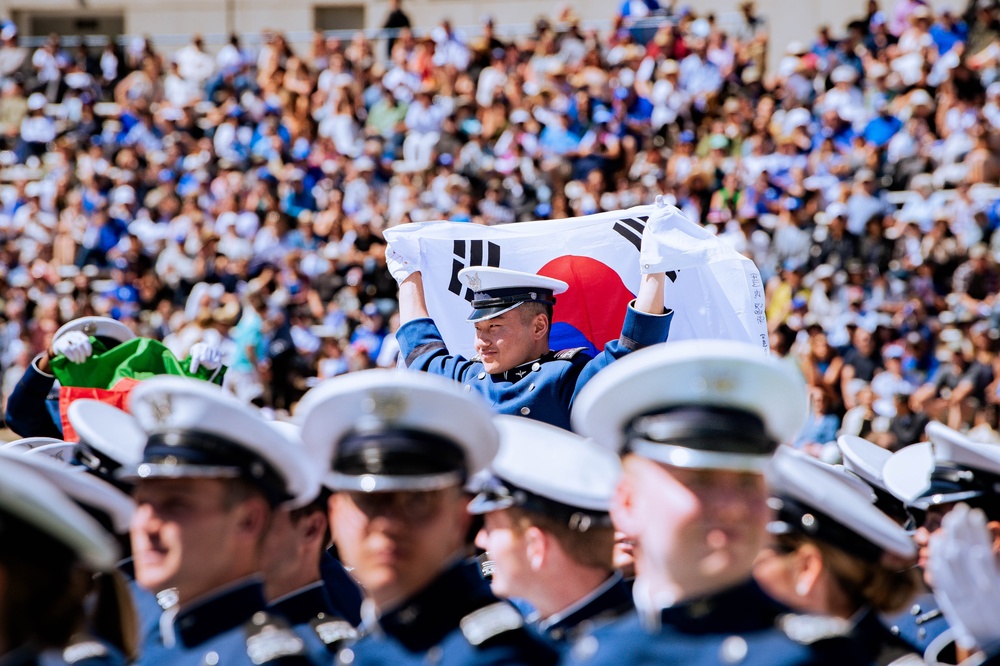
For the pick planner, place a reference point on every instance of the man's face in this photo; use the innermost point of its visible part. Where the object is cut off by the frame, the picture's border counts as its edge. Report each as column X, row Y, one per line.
column 504, row 544
column 398, row 542
column 185, row 536
column 505, row 341
column 703, row 528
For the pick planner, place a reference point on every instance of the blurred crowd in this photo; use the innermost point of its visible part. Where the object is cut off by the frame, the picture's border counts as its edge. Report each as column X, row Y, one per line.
column 242, row 192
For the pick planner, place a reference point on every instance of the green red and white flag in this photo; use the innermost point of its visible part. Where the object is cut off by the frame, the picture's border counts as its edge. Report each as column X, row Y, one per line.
column 109, row 375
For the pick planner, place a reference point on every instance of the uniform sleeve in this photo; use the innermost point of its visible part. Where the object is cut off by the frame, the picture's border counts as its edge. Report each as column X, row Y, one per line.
column 26, row 413
column 639, row 330
column 423, row 348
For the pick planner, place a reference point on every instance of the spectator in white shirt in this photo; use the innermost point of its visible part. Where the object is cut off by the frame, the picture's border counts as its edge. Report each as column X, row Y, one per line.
column 193, row 64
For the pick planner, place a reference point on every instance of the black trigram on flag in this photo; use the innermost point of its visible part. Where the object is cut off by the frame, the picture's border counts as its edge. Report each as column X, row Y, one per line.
column 630, row 228
column 471, row 253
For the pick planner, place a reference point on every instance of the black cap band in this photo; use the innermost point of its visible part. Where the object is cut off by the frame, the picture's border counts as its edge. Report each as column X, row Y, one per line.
column 951, row 483
column 796, row 517
column 99, row 464
column 705, row 428
column 399, row 452
column 499, row 298
column 200, row 449
column 498, row 493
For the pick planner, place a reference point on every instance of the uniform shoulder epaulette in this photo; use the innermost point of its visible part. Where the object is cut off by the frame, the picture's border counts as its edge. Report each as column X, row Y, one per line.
column 490, row 621
column 333, row 630
column 270, row 638
column 809, row 629
column 567, row 354
column 88, row 649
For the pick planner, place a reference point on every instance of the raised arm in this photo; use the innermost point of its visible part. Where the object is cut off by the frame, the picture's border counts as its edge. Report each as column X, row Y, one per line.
column 650, row 296
column 411, row 298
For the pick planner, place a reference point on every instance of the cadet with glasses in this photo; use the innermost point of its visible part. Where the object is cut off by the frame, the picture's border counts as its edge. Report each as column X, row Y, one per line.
column 397, row 449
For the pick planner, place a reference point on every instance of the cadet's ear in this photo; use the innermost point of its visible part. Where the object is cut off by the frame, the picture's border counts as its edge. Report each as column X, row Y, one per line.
column 254, row 516
column 994, row 527
column 314, row 525
column 623, row 507
column 536, row 546
column 808, row 568
column 540, row 326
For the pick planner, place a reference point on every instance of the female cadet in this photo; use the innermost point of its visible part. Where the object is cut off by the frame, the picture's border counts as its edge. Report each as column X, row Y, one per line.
column 836, row 556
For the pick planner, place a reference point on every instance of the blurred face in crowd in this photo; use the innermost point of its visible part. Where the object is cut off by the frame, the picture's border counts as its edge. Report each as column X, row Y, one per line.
column 194, row 534
column 708, row 539
column 398, row 542
column 511, row 339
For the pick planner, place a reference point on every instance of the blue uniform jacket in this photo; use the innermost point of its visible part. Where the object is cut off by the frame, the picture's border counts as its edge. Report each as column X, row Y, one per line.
column 543, row 390
column 30, row 412
column 342, row 591
column 454, row 621
column 919, row 624
column 610, row 601
column 737, row 626
column 878, row 643
column 313, row 617
column 227, row 627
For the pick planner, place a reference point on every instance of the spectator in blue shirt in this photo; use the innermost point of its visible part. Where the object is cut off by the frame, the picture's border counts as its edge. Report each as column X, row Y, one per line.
column 948, row 32
column 557, row 139
column 882, row 127
column 821, row 425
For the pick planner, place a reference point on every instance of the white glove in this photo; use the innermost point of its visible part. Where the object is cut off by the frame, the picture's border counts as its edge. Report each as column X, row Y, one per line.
column 671, row 242
column 400, row 267
column 74, row 345
column 966, row 577
column 205, row 355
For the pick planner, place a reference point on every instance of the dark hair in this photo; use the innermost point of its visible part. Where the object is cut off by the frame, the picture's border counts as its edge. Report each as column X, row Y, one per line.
column 530, row 310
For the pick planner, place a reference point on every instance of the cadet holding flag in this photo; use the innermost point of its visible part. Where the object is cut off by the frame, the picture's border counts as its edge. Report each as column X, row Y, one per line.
column 99, row 358
column 696, row 423
column 512, row 317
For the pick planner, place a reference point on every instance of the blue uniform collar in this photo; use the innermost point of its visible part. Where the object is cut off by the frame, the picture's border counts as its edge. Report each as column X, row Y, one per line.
column 523, row 370
column 612, row 597
column 725, row 611
column 304, row 604
column 219, row 611
column 423, row 621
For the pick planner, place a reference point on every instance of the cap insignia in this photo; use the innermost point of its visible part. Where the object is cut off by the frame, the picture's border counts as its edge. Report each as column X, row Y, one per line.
column 161, row 407
column 386, row 405
column 718, row 383
column 474, row 282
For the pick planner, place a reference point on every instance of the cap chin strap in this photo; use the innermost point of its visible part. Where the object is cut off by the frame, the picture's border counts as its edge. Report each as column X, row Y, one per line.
column 381, row 483
column 688, row 458
column 927, row 501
